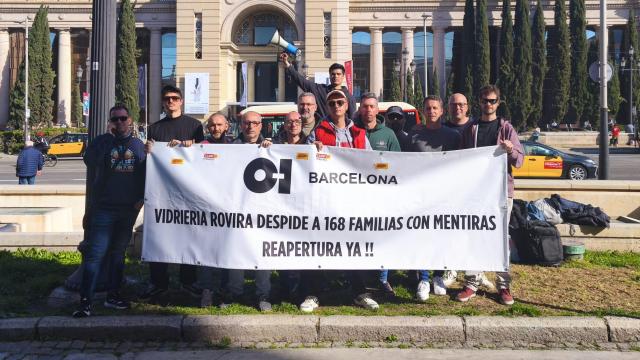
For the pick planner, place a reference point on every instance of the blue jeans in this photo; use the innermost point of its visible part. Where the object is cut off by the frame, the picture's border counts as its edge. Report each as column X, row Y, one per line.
column 109, row 234
column 422, row 274
column 27, row 180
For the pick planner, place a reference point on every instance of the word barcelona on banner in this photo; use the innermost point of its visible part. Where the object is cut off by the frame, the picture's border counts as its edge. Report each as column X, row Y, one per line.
column 291, row 207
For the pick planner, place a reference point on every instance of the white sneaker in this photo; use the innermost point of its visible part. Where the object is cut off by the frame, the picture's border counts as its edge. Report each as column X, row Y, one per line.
column 423, row 291
column 439, row 288
column 449, row 278
column 309, row 304
column 365, row 301
column 486, row 282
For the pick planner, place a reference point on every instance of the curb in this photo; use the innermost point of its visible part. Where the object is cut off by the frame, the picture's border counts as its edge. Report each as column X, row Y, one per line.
column 239, row 330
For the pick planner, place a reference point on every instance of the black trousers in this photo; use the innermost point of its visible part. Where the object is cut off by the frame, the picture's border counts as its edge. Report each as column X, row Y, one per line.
column 160, row 276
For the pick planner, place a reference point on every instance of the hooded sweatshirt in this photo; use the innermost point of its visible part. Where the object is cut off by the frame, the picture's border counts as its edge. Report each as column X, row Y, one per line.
column 505, row 132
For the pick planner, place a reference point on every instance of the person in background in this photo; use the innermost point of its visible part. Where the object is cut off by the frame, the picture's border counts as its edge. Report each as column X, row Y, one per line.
column 29, row 164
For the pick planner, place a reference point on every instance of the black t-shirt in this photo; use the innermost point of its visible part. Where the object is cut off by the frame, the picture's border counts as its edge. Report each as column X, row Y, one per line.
column 488, row 133
column 459, row 128
column 181, row 128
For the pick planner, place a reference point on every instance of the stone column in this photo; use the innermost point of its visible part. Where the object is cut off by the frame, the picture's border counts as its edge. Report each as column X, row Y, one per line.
column 407, row 43
column 64, row 77
column 375, row 61
column 251, row 79
column 439, row 63
column 155, row 75
column 281, row 82
column 5, row 75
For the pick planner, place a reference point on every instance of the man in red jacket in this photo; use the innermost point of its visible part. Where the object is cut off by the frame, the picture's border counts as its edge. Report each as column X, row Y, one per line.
column 338, row 130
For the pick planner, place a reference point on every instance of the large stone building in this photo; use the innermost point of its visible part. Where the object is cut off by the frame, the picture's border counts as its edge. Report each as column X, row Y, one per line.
column 217, row 36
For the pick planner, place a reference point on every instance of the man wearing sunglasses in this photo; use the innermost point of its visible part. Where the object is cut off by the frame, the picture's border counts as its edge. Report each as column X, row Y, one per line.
column 491, row 130
column 336, row 77
column 339, row 130
column 176, row 129
column 395, row 120
column 118, row 160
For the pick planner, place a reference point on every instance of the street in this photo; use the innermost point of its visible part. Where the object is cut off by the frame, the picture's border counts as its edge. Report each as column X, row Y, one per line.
column 624, row 164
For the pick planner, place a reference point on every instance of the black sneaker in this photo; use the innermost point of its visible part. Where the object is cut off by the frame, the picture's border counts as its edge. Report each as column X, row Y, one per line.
column 387, row 289
column 115, row 301
column 84, row 310
column 192, row 290
column 151, row 292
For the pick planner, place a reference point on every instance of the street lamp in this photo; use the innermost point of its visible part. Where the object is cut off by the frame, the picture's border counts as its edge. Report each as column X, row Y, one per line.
column 405, row 59
column 425, row 16
column 630, row 69
column 79, row 72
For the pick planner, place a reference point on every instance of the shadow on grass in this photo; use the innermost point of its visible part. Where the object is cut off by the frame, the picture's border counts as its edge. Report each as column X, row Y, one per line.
column 28, row 276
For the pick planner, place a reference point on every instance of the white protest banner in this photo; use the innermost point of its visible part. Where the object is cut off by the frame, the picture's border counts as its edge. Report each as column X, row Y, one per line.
column 290, row 207
column 196, row 93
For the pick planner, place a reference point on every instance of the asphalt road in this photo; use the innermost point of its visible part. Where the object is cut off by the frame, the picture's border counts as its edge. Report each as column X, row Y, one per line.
column 624, row 164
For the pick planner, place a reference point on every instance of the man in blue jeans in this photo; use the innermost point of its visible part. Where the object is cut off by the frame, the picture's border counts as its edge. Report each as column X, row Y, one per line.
column 29, row 164
column 119, row 163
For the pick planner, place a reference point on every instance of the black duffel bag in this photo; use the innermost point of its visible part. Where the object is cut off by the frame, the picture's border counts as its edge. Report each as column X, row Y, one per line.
column 538, row 242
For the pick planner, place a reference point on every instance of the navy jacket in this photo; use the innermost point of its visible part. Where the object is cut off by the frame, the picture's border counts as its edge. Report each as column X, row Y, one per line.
column 29, row 162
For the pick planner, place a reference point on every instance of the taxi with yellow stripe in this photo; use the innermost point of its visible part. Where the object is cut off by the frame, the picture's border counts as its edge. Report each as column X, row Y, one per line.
column 543, row 161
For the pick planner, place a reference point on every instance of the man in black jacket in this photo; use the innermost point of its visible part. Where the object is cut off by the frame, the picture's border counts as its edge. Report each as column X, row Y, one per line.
column 336, row 74
column 118, row 194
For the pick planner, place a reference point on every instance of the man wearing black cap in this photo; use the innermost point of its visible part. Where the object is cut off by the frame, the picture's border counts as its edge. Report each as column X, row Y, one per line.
column 395, row 120
column 336, row 75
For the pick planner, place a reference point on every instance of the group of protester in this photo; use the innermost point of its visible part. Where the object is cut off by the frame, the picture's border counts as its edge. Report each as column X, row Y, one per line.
column 326, row 116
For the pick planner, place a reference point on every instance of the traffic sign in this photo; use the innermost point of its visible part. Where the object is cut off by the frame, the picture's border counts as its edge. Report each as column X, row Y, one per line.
column 594, row 71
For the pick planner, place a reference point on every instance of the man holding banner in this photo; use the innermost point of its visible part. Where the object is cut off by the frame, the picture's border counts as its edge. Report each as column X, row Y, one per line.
column 489, row 131
column 178, row 130
column 251, row 125
column 338, row 130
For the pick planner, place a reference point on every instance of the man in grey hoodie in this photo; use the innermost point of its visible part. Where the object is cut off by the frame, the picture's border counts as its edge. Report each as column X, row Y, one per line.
column 490, row 130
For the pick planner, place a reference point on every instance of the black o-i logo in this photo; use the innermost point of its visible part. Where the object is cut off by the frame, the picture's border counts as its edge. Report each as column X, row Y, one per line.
column 271, row 176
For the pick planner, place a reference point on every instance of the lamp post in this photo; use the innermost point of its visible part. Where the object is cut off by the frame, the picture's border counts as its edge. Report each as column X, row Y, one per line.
column 405, row 59
column 603, row 157
column 425, row 16
column 630, row 69
column 79, row 72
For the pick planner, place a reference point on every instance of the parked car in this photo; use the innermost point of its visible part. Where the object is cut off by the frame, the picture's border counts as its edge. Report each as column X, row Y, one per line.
column 273, row 115
column 543, row 161
column 68, row 144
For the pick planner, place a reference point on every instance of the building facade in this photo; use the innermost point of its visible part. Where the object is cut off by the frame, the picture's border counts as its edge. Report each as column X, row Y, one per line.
column 177, row 37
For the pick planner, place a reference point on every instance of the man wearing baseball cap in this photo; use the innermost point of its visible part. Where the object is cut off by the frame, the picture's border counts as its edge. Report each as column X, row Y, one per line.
column 339, row 130
column 395, row 120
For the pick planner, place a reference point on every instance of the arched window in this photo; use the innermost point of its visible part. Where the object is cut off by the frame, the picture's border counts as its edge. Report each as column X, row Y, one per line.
column 257, row 29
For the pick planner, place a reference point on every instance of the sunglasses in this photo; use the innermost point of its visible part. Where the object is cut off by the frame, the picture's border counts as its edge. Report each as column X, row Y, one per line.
column 172, row 98
column 119, row 118
column 336, row 102
column 490, row 101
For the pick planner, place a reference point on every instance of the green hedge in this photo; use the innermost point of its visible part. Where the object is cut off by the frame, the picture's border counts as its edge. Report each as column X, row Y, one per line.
column 11, row 142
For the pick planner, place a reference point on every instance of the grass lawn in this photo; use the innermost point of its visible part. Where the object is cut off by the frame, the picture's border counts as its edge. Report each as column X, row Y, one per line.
column 604, row 283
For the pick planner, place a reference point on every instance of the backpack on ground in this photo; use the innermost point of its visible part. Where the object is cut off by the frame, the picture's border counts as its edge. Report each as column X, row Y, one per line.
column 538, row 242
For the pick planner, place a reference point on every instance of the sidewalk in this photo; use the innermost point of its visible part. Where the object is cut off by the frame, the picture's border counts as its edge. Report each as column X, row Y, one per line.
column 274, row 331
